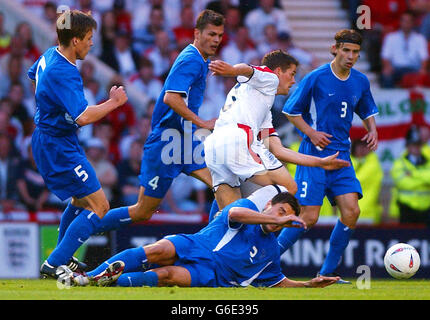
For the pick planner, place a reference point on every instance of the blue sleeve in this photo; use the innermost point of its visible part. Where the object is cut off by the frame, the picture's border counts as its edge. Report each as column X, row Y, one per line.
column 271, row 276
column 182, row 76
column 366, row 106
column 300, row 100
column 67, row 90
column 32, row 71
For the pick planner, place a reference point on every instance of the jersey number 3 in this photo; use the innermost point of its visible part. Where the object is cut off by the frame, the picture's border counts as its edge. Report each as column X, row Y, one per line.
column 343, row 109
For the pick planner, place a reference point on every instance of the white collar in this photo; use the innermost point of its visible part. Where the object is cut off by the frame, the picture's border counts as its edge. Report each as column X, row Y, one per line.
column 337, row 75
column 58, row 51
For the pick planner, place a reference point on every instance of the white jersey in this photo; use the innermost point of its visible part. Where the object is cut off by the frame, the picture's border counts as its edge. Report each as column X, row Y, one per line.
column 250, row 101
column 233, row 152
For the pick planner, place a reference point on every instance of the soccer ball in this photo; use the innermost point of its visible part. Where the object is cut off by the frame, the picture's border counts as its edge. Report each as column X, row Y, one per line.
column 402, row 261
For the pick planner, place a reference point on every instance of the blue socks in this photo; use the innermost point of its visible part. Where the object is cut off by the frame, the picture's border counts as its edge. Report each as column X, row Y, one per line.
column 69, row 214
column 114, row 219
column 79, row 230
column 138, row 279
column 134, row 260
column 339, row 240
column 288, row 237
column 214, row 210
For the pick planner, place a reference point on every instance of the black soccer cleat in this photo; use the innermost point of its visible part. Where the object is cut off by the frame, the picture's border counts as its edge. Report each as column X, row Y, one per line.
column 48, row 271
column 77, row 266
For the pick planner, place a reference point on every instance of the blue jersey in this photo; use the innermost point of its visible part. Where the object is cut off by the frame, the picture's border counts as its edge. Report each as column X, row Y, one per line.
column 59, row 94
column 187, row 77
column 59, row 102
column 240, row 254
column 328, row 103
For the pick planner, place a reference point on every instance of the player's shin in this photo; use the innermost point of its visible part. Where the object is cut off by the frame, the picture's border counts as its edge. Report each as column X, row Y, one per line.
column 339, row 240
column 81, row 228
column 114, row 219
column 288, row 237
column 138, row 279
column 69, row 214
column 134, row 260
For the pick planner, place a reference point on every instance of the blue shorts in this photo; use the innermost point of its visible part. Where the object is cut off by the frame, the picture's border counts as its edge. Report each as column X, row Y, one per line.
column 62, row 163
column 196, row 259
column 162, row 162
column 314, row 183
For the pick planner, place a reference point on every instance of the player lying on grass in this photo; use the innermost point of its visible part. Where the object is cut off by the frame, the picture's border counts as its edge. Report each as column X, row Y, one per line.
column 237, row 249
column 244, row 145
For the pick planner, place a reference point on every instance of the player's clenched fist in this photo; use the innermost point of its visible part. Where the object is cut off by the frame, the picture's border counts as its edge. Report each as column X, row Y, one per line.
column 118, row 95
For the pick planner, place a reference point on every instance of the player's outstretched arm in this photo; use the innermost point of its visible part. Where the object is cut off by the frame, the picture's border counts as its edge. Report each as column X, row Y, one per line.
column 274, row 144
column 117, row 97
column 222, row 68
column 248, row 216
column 318, row 282
column 175, row 101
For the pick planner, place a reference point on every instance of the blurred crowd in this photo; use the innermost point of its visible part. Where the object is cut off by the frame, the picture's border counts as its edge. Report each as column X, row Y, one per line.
column 140, row 39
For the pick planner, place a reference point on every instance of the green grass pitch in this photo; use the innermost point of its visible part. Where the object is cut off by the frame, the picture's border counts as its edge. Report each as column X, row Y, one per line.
column 390, row 289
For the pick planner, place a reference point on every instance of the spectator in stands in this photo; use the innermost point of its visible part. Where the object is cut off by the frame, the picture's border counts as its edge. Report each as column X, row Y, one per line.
column 370, row 174
column 233, row 20
column 145, row 79
column 139, row 132
column 103, row 130
column 123, row 18
column 270, row 41
column 306, row 59
column 32, row 190
column 128, row 173
column 122, row 58
column 105, row 170
column 4, row 36
column 385, row 18
column 184, row 33
column 403, row 51
column 144, row 38
column 9, row 172
column 25, row 32
column 241, row 49
column 411, row 178
column 19, row 110
column 159, row 53
column 121, row 119
column 108, row 30
column 266, row 14
column 50, row 14
column 186, row 195
column 14, row 66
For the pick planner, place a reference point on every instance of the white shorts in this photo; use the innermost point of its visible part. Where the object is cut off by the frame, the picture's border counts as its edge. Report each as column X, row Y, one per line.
column 230, row 160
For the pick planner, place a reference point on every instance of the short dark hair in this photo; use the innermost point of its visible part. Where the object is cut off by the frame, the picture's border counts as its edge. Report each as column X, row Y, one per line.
column 209, row 17
column 278, row 58
column 75, row 23
column 286, row 197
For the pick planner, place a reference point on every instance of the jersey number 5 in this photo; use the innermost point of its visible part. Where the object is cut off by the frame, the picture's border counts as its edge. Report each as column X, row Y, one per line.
column 81, row 173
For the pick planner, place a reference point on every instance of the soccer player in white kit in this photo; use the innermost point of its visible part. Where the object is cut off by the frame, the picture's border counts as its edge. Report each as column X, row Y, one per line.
column 244, row 145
